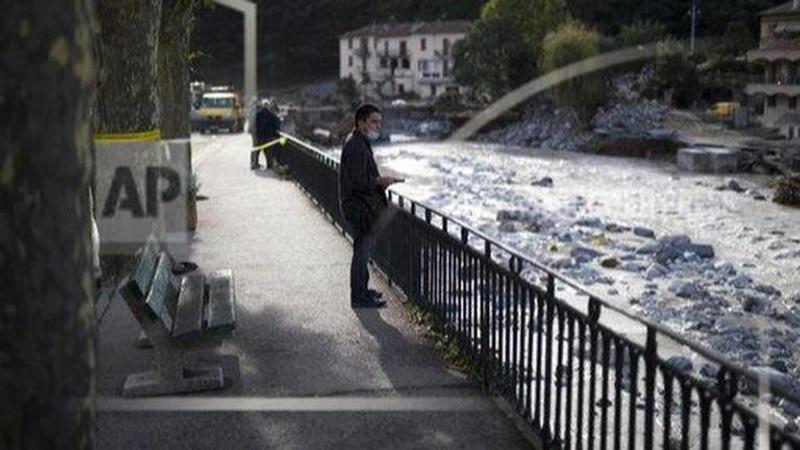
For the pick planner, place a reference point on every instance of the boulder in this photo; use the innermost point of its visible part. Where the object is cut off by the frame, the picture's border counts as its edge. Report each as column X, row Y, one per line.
column 685, row 288
column 655, row 271
column 609, row 262
column 679, row 363
column 644, row 232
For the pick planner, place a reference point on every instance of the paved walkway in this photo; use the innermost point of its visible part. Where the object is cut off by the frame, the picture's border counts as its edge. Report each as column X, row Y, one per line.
column 303, row 370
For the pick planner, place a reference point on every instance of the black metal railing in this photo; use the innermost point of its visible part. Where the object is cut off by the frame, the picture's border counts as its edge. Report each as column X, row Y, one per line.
column 562, row 363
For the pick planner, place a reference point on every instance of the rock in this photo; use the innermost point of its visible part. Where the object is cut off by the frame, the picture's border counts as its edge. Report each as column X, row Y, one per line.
column 780, row 380
column 612, row 291
column 648, row 249
column 591, row 222
column 701, row 250
column 768, row 290
column 754, row 302
column 651, row 285
column 633, row 266
column 609, row 262
column 584, row 254
column 779, row 365
column 724, row 268
column 655, row 271
column 677, row 240
column 709, row 370
column 508, row 227
column 734, row 186
column 685, row 289
column 667, row 255
column 789, row 407
column 741, row 281
column 543, row 182
column 563, row 263
column 644, row 232
column 679, row 363
column 795, row 297
column 615, row 228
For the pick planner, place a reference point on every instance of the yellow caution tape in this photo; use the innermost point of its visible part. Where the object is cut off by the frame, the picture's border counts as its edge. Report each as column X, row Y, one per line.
column 143, row 136
column 281, row 140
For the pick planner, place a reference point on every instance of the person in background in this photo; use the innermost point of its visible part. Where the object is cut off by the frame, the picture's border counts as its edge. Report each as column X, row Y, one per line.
column 362, row 200
column 268, row 125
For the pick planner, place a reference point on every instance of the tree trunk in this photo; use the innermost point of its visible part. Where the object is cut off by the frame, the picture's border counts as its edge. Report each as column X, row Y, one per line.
column 46, row 315
column 127, row 90
column 173, row 67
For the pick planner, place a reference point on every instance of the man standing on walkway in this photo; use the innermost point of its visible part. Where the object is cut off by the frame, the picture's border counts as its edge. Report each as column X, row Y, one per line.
column 267, row 126
column 362, row 199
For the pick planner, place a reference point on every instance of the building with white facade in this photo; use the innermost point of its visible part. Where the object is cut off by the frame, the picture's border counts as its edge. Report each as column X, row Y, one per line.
column 396, row 59
column 779, row 54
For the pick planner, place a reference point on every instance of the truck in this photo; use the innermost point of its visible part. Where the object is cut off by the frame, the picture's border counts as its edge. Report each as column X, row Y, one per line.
column 219, row 108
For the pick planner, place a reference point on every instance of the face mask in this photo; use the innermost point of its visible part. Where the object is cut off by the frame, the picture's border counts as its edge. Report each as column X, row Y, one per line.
column 373, row 136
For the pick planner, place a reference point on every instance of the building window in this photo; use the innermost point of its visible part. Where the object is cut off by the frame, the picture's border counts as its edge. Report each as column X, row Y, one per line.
column 401, row 88
column 423, row 45
column 446, row 69
column 402, row 47
column 386, row 46
column 384, row 63
column 349, row 61
column 422, row 65
column 349, row 43
column 793, row 103
column 364, row 43
column 445, row 47
column 406, row 64
column 771, row 102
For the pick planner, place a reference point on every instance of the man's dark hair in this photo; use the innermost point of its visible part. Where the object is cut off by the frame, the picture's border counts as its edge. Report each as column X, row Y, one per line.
column 364, row 111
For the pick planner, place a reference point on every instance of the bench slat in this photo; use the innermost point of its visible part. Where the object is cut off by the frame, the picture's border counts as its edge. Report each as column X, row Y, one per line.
column 145, row 269
column 189, row 314
column 162, row 291
column 221, row 308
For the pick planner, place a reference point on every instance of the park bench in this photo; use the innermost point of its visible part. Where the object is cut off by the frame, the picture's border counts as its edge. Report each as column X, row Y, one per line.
column 178, row 315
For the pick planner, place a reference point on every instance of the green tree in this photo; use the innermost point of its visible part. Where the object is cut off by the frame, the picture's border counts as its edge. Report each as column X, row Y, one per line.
column 573, row 42
column 347, row 90
column 501, row 50
column 736, row 40
column 492, row 58
column 47, row 359
column 676, row 75
column 641, row 32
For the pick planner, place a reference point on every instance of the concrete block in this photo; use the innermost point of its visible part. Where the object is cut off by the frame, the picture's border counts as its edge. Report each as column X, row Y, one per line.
column 708, row 159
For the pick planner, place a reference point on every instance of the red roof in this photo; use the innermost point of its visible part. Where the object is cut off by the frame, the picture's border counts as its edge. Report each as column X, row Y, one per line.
column 398, row 29
column 786, row 8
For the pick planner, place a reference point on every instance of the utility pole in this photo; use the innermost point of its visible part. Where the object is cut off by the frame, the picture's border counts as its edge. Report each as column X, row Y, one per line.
column 693, row 13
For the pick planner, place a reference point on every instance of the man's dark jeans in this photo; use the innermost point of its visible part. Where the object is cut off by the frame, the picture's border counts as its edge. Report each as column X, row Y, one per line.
column 359, row 273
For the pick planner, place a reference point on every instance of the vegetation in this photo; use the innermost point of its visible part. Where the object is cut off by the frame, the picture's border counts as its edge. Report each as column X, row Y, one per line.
column 676, row 75
column 346, row 90
column 501, row 50
column 641, row 32
column 573, row 42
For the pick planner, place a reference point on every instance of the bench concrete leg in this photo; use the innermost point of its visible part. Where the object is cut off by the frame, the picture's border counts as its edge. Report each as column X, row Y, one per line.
column 194, row 379
column 143, row 341
column 172, row 376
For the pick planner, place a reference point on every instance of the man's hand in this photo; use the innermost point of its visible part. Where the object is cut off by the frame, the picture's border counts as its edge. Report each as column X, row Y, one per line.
column 385, row 182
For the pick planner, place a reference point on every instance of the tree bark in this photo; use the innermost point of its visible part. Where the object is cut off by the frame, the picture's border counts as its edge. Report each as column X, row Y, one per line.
column 177, row 19
column 46, row 315
column 128, row 51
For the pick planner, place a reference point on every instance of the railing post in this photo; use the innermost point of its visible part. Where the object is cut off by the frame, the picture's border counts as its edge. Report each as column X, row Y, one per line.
column 651, row 362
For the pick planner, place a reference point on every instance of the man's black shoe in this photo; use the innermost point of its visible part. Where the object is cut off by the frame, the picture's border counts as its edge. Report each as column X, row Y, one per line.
column 372, row 293
column 368, row 303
